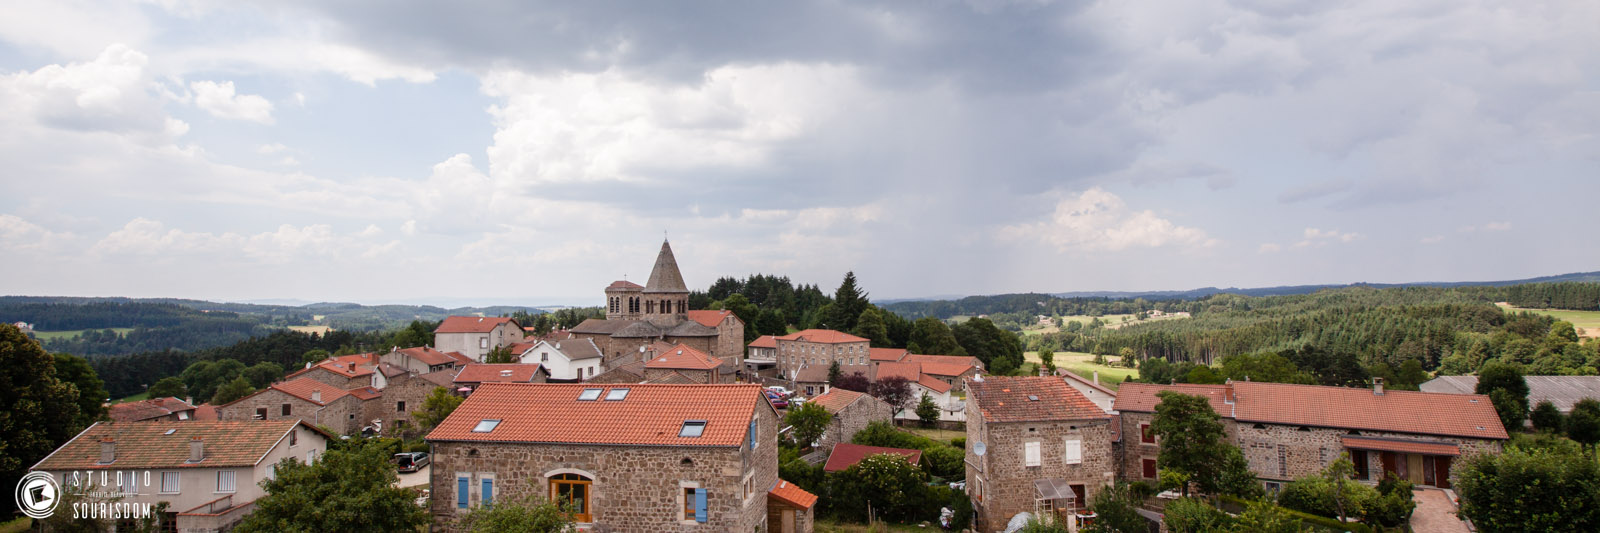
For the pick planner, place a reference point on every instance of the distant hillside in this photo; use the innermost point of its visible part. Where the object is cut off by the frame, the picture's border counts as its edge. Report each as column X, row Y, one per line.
column 1590, row 277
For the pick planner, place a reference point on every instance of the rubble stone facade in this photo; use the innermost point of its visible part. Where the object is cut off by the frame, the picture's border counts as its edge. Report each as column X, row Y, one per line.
column 1001, row 483
column 342, row 415
column 853, row 418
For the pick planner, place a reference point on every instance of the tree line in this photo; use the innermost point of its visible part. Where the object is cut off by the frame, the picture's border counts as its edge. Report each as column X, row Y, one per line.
column 1564, row 295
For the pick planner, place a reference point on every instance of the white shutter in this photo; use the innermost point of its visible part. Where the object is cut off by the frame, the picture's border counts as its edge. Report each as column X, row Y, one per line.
column 225, row 481
column 1074, row 452
column 169, row 482
column 1031, row 454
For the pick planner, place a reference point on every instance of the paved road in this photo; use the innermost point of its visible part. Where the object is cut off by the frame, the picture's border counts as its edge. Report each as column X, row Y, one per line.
column 419, row 477
column 1435, row 513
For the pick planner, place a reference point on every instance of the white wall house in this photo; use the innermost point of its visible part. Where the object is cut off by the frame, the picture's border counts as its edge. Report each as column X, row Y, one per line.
column 474, row 336
column 572, row 359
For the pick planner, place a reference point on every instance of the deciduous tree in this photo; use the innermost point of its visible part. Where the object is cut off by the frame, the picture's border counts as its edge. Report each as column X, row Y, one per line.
column 533, row 514
column 38, row 412
column 893, row 390
column 438, row 405
column 91, row 390
column 1547, row 418
column 807, row 423
column 350, row 489
column 1511, row 400
column 1530, row 490
column 233, row 390
column 1193, row 442
column 169, row 387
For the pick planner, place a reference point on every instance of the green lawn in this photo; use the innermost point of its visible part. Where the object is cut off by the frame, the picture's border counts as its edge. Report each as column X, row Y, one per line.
column 941, row 435
column 1586, row 321
column 1082, row 364
column 49, row 335
column 134, row 398
column 829, row 526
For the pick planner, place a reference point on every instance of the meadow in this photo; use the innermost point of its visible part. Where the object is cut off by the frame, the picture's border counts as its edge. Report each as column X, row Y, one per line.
column 67, row 334
column 1587, row 322
column 1083, row 364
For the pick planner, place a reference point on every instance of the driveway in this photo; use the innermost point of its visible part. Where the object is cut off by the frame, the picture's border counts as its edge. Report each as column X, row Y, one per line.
column 1435, row 513
column 411, row 479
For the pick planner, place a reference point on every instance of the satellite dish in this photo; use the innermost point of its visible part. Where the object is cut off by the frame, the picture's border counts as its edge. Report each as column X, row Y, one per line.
column 979, row 448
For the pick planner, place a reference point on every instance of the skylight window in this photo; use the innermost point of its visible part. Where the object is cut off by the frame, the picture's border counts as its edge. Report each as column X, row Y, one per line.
column 616, row 395
column 692, row 428
column 589, row 395
column 486, row 425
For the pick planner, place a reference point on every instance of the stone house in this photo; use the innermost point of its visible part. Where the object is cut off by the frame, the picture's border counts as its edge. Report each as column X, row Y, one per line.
column 351, row 371
column 638, row 315
column 852, row 411
column 475, row 336
column 813, row 380
column 425, row 359
column 920, row 382
column 565, row 360
column 819, row 348
column 635, row 457
column 473, row 375
column 404, row 396
column 206, row 472
column 789, row 508
column 695, row 365
column 1045, row 449
column 306, row 399
column 153, row 409
column 1291, row 431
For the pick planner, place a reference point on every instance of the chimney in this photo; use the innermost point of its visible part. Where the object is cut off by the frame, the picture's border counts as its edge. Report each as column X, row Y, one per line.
column 1377, row 386
column 108, row 450
column 188, row 400
column 1097, row 377
column 316, row 396
column 352, row 367
column 197, row 450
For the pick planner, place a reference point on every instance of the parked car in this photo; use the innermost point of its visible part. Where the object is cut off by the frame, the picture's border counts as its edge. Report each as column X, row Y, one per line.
column 411, row 461
column 777, row 400
column 780, row 390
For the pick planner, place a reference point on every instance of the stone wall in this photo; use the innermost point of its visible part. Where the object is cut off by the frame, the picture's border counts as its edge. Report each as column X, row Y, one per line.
column 699, row 376
column 1285, row 453
column 1008, row 482
column 793, row 355
column 635, row 488
column 853, row 418
column 1134, row 451
column 729, row 343
column 339, row 415
column 336, row 379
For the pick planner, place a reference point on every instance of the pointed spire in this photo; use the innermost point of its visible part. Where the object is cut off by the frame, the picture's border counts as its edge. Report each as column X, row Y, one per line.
column 664, row 277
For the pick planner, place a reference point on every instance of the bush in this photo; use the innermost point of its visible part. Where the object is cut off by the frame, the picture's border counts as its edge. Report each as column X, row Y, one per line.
column 894, row 489
column 946, row 462
column 1193, row 515
column 959, row 442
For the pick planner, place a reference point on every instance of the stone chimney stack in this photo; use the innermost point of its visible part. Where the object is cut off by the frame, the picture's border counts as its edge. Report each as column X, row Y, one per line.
column 1377, row 386
column 316, row 396
column 1097, row 377
column 108, row 450
column 197, row 450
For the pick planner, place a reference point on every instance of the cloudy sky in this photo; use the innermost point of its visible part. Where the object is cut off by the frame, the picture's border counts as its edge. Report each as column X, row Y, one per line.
column 501, row 151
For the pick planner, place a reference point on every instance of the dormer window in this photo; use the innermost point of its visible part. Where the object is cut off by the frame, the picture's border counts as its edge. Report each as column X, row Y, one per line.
column 589, row 395
column 692, row 428
column 486, row 425
column 616, row 395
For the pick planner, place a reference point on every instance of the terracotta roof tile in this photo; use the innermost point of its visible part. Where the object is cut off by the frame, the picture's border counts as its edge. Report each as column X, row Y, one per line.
column 366, row 393
column 946, row 369
column 148, row 409
column 472, row 324
column 792, row 495
column 624, row 284
column 884, row 354
column 428, row 356
column 1010, row 399
column 303, row 388
column 846, row 455
column 459, row 358
column 497, row 373
column 934, row 384
column 147, row 445
column 910, row 371
column 205, row 411
column 682, row 357
column 709, row 318
column 826, row 336
column 764, row 341
column 964, row 360
column 443, row 378
column 649, row 415
column 1457, row 415
column 1401, row 445
column 673, row 378
column 1141, row 397
column 836, row 399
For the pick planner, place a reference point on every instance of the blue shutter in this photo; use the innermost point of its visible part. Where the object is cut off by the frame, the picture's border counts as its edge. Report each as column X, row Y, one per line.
column 488, row 491
column 700, row 505
column 461, row 492
column 752, row 434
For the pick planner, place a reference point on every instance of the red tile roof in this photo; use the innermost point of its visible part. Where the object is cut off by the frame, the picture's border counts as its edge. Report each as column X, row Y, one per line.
column 1141, row 397
column 826, row 336
column 1457, row 415
column 884, row 354
column 472, row 324
column 836, row 399
column 624, row 284
column 846, row 455
column 147, row 445
column 709, row 318
column 764, row 341
column 348, row 366
column 303, row 387
column 497, row 373
column 1402, row 446
column 459, row 358
column 366, row 393
column 792, row 495
column 963, row 360
column 1011, row 399
column 910, row 371
column 205, row 411
column 682, row 357
column 946, row 369
column 148, row 409
column 429, row 356
column 934, row 384
column 650, row 415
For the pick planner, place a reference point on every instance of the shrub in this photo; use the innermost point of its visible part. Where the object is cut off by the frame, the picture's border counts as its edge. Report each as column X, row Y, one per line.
column 1193, row 515
column 959, row 442
column 945, row 462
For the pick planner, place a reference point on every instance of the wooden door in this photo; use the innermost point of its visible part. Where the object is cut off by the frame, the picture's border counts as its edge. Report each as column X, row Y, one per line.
column 1081, row 497
column 1441, row 475
column 1414, row 468
column 1389, row 464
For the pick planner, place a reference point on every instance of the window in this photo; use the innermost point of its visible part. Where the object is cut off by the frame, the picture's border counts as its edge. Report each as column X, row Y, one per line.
column 1149, row 468
column 462, row 484
column 261, row 413
column 183, row 415
column 294, row 438
column 225, row 481
column 752, row 433
column 311, row 456
column 483, row 342
column 1074, row 453
column 544, row 357
column 286, row 410
column 485, row 426
column 488, row 491
column 616, row 395
column 169, row 482
column 1359, row 459
column 272, row 471
column 589, row 395
column 400, row 406
column 572, row 492
column 131, row 485
column 692, row 428
column 1146, row 435
column 694, row 504
column 1030, row 454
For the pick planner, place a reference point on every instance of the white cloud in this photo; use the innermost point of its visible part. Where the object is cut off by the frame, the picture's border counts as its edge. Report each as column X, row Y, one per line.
column 1319, row 237
column 18, row 235
column 1098, row 220
column 221, row 101
column 153, row 240
column 272, row 148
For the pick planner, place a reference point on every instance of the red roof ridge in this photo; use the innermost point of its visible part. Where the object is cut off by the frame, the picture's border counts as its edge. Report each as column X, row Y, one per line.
column 846, row 455
column 792, row 494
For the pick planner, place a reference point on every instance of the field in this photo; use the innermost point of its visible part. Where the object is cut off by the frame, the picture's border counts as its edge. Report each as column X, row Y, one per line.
column 319, row 330
column 1110, row 321
column 941, row 435
column 50, row 335
column 1083, row 364
column 1587, row 322
column 134, row 398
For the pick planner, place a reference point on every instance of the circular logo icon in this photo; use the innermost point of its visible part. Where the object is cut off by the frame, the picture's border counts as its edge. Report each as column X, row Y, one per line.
column 38, row 494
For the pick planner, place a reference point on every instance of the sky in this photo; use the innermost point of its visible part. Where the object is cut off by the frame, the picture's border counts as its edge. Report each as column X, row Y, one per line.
column 482, row 152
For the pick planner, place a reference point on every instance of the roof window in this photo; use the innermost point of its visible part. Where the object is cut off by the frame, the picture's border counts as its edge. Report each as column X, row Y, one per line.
column 1033, row 398
column 486, row 425
column 589, row 395
column 170, row 431
column 616, row 395
column 692, row 428
column 505, row 373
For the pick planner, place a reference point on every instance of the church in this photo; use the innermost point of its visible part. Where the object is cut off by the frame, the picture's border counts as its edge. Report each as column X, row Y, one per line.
column 638, row 317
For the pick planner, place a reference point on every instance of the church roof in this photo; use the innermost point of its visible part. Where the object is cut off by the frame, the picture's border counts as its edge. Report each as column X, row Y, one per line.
column 638, row 328
column 664, row 277
column 690, row 328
